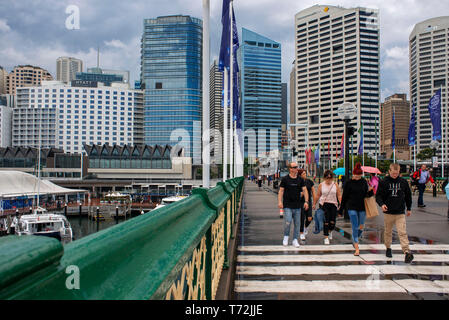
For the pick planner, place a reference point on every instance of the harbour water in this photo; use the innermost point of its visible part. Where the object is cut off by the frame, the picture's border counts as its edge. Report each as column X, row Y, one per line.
column 82, row 226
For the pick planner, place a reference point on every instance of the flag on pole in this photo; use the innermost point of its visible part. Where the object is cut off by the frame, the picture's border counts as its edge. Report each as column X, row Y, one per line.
column 317, row 155
column 411, row 128
column 312, row 154
column 342, row 146
column 223, row 61
column 435, row 114
column 360, row 151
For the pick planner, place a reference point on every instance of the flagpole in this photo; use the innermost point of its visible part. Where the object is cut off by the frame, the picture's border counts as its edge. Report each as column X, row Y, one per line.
column 442, row 132
column 206, row 98
column 231, row 98
column 225, row 125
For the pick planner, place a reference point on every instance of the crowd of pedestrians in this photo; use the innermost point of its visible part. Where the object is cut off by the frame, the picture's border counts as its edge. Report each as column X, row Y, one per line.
column 298, row 197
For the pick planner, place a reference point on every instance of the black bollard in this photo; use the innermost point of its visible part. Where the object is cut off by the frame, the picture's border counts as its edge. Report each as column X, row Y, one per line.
column 98, row 218
column 31, row 210
column 65, row 209
column 434, row 190
column 81, row 209
column 116, row 215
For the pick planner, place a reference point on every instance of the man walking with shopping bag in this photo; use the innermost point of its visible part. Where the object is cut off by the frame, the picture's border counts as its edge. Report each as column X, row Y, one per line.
column 394, row 196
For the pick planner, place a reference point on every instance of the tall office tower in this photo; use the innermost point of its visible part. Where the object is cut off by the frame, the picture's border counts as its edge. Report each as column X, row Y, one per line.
column 3, row 77
column 71, row 115
column 261, row 93
column 429, row 71
column 26, row 76
column 171, row 64
column 284, row 104
column 67, row 67
column 398, row 104
column 216, row 113
column 337, row 60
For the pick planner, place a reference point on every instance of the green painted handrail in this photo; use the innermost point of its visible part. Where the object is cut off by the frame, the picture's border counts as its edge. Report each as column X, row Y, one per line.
column 142, row 258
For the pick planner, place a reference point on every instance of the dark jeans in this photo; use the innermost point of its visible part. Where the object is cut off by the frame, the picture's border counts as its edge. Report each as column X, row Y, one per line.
column 304, row 218
column 330, row 217
column 421, row 189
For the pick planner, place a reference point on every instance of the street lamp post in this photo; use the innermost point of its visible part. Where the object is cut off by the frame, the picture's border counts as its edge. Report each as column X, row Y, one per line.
column 434, row 145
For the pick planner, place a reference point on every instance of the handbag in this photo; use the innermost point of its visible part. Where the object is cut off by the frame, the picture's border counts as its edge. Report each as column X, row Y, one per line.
column 371, row 207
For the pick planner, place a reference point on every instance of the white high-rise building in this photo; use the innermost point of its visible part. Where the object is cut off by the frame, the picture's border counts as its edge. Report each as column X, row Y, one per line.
column 336, row 61
column 67, row 117
column 5, row 123
column 429, row 71
column 67, row 67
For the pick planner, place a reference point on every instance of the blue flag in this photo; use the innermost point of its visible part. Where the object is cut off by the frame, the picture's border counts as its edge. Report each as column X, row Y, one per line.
column 393, row 138
column 360, row 152
column 224, row 58
column 435, row 115
column 411, row 128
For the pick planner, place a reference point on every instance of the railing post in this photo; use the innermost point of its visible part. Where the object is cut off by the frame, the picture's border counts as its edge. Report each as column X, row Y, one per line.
column 209, row 264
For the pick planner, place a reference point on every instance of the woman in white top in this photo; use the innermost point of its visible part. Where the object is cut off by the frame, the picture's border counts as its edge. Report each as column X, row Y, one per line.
column 329, row 196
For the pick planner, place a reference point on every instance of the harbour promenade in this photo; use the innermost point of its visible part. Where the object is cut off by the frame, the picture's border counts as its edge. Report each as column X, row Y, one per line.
column 268, row 270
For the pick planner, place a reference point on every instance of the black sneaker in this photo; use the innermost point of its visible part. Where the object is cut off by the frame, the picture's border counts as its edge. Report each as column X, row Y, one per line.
column 408, row 257
column 388, row 253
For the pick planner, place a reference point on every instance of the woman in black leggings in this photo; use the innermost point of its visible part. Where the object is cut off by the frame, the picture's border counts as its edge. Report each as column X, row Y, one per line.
column 306, row 215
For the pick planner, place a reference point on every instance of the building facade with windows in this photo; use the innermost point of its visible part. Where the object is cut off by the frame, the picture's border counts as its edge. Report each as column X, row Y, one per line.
column 216, row 113
column 171, row 62
column 261, row 93
column 67, row 67
column 429, row 72
column 68, row 116
column 336, row 61
column 26, row 76
column 400, row 106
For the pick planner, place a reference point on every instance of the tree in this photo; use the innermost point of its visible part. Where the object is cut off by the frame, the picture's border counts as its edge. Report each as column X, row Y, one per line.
column 425, row 154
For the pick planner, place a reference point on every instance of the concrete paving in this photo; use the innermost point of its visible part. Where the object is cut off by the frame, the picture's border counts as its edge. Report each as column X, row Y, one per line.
column 260, row 225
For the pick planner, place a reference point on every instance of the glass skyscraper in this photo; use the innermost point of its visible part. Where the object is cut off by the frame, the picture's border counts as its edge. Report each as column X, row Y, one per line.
column 171, row 76
column 260, row 68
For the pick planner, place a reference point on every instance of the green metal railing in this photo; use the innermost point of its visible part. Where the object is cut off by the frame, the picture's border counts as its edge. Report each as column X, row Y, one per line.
column 175, row 252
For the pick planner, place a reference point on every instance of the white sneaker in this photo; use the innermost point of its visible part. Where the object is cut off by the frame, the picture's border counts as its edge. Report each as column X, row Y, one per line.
column 330, row 235
column 302, row 236
column 285, row 242
column 326, row 241
column 295, row 243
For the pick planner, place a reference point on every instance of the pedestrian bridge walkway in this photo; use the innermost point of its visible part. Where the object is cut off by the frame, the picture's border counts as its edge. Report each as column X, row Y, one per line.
column 219, row 243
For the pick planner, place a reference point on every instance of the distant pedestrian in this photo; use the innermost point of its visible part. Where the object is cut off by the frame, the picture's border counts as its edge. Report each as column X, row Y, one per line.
column 354, row 193
column 259, row 182
column 329, row 197
column 306, row 215
column 394, row 196
column 422, row 176
column 289, row 199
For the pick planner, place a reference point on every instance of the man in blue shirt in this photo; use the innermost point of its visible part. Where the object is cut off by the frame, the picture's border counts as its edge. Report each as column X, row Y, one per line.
column 424, row 176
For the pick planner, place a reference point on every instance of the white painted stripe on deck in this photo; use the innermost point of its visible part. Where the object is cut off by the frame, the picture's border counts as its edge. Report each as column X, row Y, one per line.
column 340, row 247
column 316, row 286
column 338, row 258
column 416, row 286
column 342, row 270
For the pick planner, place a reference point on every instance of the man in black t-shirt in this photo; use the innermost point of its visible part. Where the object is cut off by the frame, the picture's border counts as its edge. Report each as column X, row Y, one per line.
column 289, row 199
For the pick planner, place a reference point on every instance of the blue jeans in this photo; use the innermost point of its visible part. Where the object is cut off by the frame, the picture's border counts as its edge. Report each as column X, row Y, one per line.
column 357, row 219
column 421, row 189
column 289, row 215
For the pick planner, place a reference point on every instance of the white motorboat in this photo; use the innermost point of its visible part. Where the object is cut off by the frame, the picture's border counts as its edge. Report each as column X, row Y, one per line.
column 168, row 200
column 42, row 223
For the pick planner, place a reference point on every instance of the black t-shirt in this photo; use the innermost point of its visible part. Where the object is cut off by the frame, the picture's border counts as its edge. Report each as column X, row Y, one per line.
column 292, row 191
column 309, row 185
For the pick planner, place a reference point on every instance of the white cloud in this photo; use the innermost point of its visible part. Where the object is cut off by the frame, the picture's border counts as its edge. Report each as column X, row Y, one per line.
column 396, row 58
column 4, row 26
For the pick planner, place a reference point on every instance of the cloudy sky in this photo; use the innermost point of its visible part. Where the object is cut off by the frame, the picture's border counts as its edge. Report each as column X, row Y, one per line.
column 35, row 31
